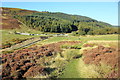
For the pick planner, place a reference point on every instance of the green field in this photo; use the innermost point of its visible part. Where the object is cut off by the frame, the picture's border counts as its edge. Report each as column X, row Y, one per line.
column 83, row 39
column 7, row 36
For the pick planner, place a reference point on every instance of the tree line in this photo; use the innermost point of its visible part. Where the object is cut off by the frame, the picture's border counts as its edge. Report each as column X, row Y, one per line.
column 62, row 23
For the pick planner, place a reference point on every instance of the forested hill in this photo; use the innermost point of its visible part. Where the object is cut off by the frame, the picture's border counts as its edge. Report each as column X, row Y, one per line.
column 58, row 22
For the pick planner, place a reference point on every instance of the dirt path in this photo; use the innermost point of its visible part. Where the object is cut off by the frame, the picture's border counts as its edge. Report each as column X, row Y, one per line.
column 25, row 43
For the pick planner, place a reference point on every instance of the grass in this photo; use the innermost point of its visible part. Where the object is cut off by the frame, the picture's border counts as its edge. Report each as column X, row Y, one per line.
column 78, row 69
column 92, row 71
column 68, row 46
column 62, row 60
column 68, row 54
column 25, row 29
column 71, row 70
column 57, row 39
column 84, row 39
column 100, row 37
column 113, row 43
column 86, row 71
column 6, row 36
column 59, row 61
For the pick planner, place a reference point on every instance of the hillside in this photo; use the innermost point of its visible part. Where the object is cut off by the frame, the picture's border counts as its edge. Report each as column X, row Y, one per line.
column 52, row 46
column 54, row 22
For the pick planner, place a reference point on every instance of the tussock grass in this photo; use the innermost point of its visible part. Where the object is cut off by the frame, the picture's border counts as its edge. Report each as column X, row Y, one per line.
column 91, row 70
column 78, row 69
column 113, row 43
column 68, row 46
column 70, row 53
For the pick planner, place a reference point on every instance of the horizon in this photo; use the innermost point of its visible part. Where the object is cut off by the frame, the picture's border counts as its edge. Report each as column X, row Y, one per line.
column 100, row 11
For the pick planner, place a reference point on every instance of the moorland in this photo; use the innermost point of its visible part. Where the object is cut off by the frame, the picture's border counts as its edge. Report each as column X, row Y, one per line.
column 56, row 45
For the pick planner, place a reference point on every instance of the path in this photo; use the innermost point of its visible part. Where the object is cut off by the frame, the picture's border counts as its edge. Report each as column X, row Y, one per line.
column 72, row 68
column 25, row 43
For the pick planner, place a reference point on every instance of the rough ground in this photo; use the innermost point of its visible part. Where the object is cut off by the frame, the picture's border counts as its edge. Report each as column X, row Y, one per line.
column 107, row 55
column 24, row 43
column 9, row 23
column 26, row 62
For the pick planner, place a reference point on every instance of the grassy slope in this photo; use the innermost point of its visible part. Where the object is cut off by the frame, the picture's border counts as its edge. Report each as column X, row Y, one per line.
column 7, row 37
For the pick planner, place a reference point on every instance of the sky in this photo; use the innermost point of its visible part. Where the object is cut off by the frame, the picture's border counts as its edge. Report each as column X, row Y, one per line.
column 101, row 11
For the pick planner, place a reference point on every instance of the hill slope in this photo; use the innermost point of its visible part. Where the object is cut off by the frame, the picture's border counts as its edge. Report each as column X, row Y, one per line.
column 54, row 22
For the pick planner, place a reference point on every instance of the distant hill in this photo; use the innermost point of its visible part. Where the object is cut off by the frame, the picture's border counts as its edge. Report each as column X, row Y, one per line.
column 54, row 22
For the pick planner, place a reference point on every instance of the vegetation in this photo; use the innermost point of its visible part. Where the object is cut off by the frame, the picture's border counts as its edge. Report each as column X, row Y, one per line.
column 83, row 39
column 8, row 36
column 12, row 42
column 63, row 23
column 66, row 46
column 93, row 28
column 78, row 69
column 60, row 22
column 56, row 55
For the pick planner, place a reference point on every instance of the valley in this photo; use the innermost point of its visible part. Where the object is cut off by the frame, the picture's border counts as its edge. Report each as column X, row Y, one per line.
column 56, row 45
